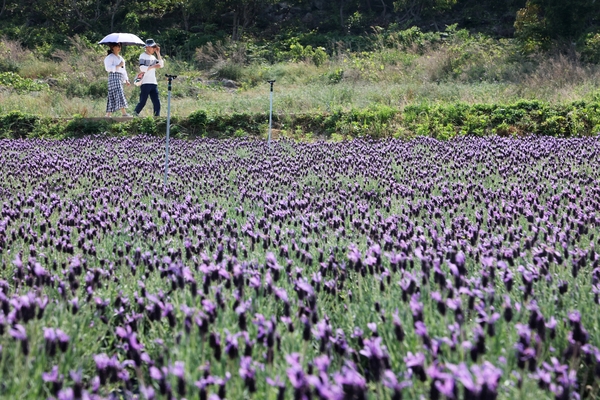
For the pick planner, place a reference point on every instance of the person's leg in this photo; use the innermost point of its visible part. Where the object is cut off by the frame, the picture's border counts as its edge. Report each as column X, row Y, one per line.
column 155, row 100
column 144, row 91
column 111, row 100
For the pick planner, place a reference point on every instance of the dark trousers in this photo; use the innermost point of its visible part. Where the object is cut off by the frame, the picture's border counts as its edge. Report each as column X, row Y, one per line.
column 151, row 90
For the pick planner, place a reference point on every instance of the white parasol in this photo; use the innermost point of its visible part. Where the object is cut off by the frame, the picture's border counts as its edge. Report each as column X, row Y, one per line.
column 123, row 38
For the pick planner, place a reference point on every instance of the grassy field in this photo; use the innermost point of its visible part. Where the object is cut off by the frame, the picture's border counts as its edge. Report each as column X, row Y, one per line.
column 462, row 68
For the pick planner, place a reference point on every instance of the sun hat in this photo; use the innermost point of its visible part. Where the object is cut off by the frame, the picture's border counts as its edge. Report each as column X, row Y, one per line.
column 151, row 43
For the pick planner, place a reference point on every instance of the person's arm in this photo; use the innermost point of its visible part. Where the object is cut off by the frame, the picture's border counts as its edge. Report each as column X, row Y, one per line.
column 161, row 61
column 124, row 71
column 143, row 66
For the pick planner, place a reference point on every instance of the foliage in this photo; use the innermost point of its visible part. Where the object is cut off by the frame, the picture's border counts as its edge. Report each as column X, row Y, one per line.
column 439, row 121
column 590, row 51
column 417, row 8
column 298, row 52
column 542, row 21
column 292, row 30
column 79, row 127
column 15, row 82
column 17, row 125
column 531, row 28
column 197, row 122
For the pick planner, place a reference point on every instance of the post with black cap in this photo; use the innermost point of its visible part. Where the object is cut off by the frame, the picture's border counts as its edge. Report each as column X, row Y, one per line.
column 170, row 78
column 270, row 111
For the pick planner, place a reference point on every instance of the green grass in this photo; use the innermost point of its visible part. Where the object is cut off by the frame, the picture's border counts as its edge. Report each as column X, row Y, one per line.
column 467, row 69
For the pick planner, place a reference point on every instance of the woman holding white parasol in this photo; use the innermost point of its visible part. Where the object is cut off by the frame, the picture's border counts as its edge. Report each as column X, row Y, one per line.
column 114, row 64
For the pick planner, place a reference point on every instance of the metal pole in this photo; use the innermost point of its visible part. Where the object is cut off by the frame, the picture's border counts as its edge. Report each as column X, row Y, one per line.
column 170, row 78
column 270, row 111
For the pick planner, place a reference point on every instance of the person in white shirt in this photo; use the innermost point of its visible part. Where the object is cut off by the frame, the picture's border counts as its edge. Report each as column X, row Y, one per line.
column 117, row 75
column 150, row 61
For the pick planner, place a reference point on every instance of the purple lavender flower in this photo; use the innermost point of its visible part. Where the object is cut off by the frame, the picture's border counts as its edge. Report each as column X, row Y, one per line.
column 214, row 342
column 178, row 370
column 63, row 340
column 77, row 377
column 322, row 332
column 231, row 344
column 488, row 376
column 248, row 373
column 54, row 378
column 416, row 363
column 353, row 384
column 50, row 341
column 377, row 356
column 279, row 384
column 66, row 394
column 102, row 362
column 421, row 331
column 19, row 333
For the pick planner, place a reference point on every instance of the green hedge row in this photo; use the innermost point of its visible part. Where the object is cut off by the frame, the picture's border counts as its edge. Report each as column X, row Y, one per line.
column 439, row 121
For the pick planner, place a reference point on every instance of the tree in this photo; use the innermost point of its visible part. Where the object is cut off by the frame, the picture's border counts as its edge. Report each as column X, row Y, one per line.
column 413, row 10
column 241, row 13
column 556, row 19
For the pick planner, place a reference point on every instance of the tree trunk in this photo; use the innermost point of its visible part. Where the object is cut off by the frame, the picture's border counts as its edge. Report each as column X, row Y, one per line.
column 248, row 16
column 342, row 13
column 236, row 26
column 186, row 18
column 3, row 7
column 114, row 10
column 80, row 15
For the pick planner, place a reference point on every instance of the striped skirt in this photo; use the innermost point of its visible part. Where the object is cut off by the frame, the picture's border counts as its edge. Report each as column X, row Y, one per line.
column 116, row 95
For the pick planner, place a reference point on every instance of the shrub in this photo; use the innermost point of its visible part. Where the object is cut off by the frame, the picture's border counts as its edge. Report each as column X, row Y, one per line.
column 146, row 125
column 298, row 52
column 21, row 85
column 96, row 89
column 335, row 76
column 531, row 29
column 229, row 70
column 17, row 125
column 438, row 121
column 197, row 122
column 78, row 127
column 591, row 48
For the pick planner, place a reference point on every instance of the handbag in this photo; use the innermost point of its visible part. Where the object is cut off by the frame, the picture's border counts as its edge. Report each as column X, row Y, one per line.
column 138, row 79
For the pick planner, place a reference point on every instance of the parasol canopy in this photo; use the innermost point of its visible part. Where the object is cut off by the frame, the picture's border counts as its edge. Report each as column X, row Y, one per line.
column 123, row 38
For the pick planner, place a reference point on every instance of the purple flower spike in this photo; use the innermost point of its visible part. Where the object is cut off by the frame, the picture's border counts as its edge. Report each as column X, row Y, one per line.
column 178, row 370
column 19, row 333
column 63, row 340
column 248, row 373
column 50, row 341
column 279, row 384
column 66, row 394
column 147, row 392
column 156, row 374
column 55, row 378
column 416, row 363
column 322, row 363
column 391, row 381
column 353, row 384
column 377, row 356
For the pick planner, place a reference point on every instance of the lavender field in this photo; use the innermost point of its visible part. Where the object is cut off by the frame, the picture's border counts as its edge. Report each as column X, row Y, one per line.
column 466, row 269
